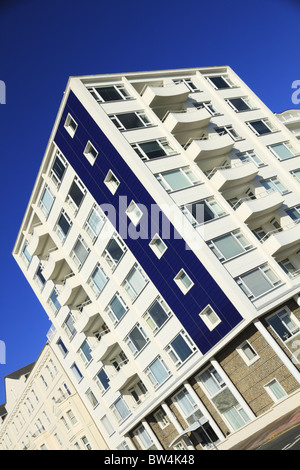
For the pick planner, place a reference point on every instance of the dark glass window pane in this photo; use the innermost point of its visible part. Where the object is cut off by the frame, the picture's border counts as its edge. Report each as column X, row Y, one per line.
column 58, row 168
column 152, row 149
column 109, row 93
column 64, row 224
column 219, row 82
column 130, row 120
column 279, row 327
column 76, row 194
column 137, row 339
column 117, row 307
column 179, row 345
column 114, row 250
column 158, row 314
column 260, row 127
column 102, row 376
column 239, row 104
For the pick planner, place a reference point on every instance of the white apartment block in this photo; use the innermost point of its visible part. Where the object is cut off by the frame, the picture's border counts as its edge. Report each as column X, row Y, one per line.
column 43, row 411
column 162, row 240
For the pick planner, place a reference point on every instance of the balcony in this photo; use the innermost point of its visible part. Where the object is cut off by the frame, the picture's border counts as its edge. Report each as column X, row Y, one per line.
column 104, row 347
column 187, row 120
column 89, row 314
column 38, row 240
column 54, row 264
column 261, row 208
column 209, row 146
column 123, row 377
column 282, row 241
column 168, row 95
column 224, row 178
column 71, row 289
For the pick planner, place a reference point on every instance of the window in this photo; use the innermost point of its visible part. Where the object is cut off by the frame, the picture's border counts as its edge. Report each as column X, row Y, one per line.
column 296, row 174
column 161, row 419
column 26, row 256
column 187, row 406
column 188, row 82
column 208, row 106
column 134, row 213
column 39, row 278
column 114, row 251
column 212, row 381
column 289, row 268
column 174, row 180
column 273, row 184
column 98, row 280
column 158, row 246
column 157, row 372
column 128, row 121
column 135, row 282
column 283, row 150
column 203, row 211
column 284, row 324
column 275, row 390
column 180, row 349
column 90, row 153
column 70, row 125
column 144, row 439
column 86, row 443
column 294, row 213
column 116, row 308
column 46, row 201
column 138, row 392
column 228, row 130
column 71, row 417
column 261, row 126
column 157, row 314
column 137, row 339
column 120, row 410
column 94, row 222
column 63, row 226
column 258, row 281
column 79, row 252
column 109, row 93
column 221, row 82
column 230, row 245
column 247, row 352
column 58, row 169
column 183, row 281
column 76, row 371
column 210, row 318
column 75, row 195
column 153, row 149
column 112, row 182
column 91, row 397
column 53, row 302
column 85, row 352
column 102, row 380
column 240, row 104
column 68, row 326
column 62, row 347
column 250, row 156
column 107, row 425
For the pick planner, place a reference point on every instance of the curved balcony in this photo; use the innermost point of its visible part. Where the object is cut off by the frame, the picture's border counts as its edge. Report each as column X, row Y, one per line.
column 54, row 263
column 282, row 241
column 104, row 347
column 186, row 121
column 70, row 290
column 260, row 209
column 37, row 240
column 212, row 145
column 88, row 316
column 166, row 95
column 228, row 178
column 123, row 377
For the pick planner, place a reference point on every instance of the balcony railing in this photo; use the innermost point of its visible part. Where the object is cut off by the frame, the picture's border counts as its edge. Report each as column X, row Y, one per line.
column 278, row 230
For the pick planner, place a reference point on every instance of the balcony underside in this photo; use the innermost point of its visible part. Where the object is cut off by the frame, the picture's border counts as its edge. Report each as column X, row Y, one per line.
column 54, row 264
column 183, row 122
column 104, row 348
column 284, row 242
column 209, row 148
column 166, row 95
column 38, row 240
column 71, row 291
column 260, row 210
column 229, row 178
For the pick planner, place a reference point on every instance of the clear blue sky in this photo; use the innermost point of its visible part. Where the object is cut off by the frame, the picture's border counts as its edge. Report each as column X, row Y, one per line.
column 42, row 43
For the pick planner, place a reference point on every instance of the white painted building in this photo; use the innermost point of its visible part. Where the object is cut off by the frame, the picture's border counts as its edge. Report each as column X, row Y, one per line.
column 162, row 228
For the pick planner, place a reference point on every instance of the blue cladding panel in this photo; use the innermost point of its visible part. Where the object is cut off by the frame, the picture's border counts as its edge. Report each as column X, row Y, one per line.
column 161, row 272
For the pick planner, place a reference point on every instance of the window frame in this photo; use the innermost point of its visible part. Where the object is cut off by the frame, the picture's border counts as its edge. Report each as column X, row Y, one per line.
column 244, row 356
column 235, row 234
column 134, row 213
column 226, row 79
column 262, row 269
column 211, row 207
column 69, row 119
column 90, row 152
column 131, row 345
column 141, row 115
column 119, row 88
column 245, row 99
column 162, row 142
column 127, row 286
column 266, row 121
column 112, row 182
column 178, row 280
column 205, row 318
column 173, row 354
column 155, row 249
column 147, row 315
column 186, row 171
column 290, row 147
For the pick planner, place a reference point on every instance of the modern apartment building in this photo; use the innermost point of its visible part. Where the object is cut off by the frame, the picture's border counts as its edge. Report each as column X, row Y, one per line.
column 43, row 411
column 162, row 240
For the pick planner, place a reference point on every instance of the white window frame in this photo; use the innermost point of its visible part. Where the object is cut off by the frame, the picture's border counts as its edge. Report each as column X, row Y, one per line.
column 131, row 345
column 147, row 316
column 161, row 419
column 134, row 213
column 188, row 82
column 178, row 280
column 140, row 114
column 124, row 95
column 90, row 152
column 275, row 181
column 107, row 256
column 68, row 125
column 290, row 147
column 172, row 353
column 110, row 312
column 196, row 412
column 92, row 398
column 205, row 317
column 293, row 318
column 131, row 292
column 244, row 356
column 271, row 393
column 163, row 143
column 58, row 229
column 228, row 130
column 250, row 156
column 92, row 283
column 115, row 411
column 266, row 122
column 112, row 182
column 74, row 256
column 208, row 202
column 225, row 77
column 208, row 106
column 153, row 245
column 236, row 234
column 189, row 174
column 245, row 99
column 87, row 227
column 69, row 199
column 296, row 174
column 58, row 155
column 153, row 380
column 41, row 204
column 263, row 269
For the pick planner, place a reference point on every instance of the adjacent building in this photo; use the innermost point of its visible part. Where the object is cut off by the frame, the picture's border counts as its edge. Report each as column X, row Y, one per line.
column 162, row 240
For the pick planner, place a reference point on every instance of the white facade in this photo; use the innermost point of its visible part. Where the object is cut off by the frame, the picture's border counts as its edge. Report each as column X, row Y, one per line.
column 219, row 145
